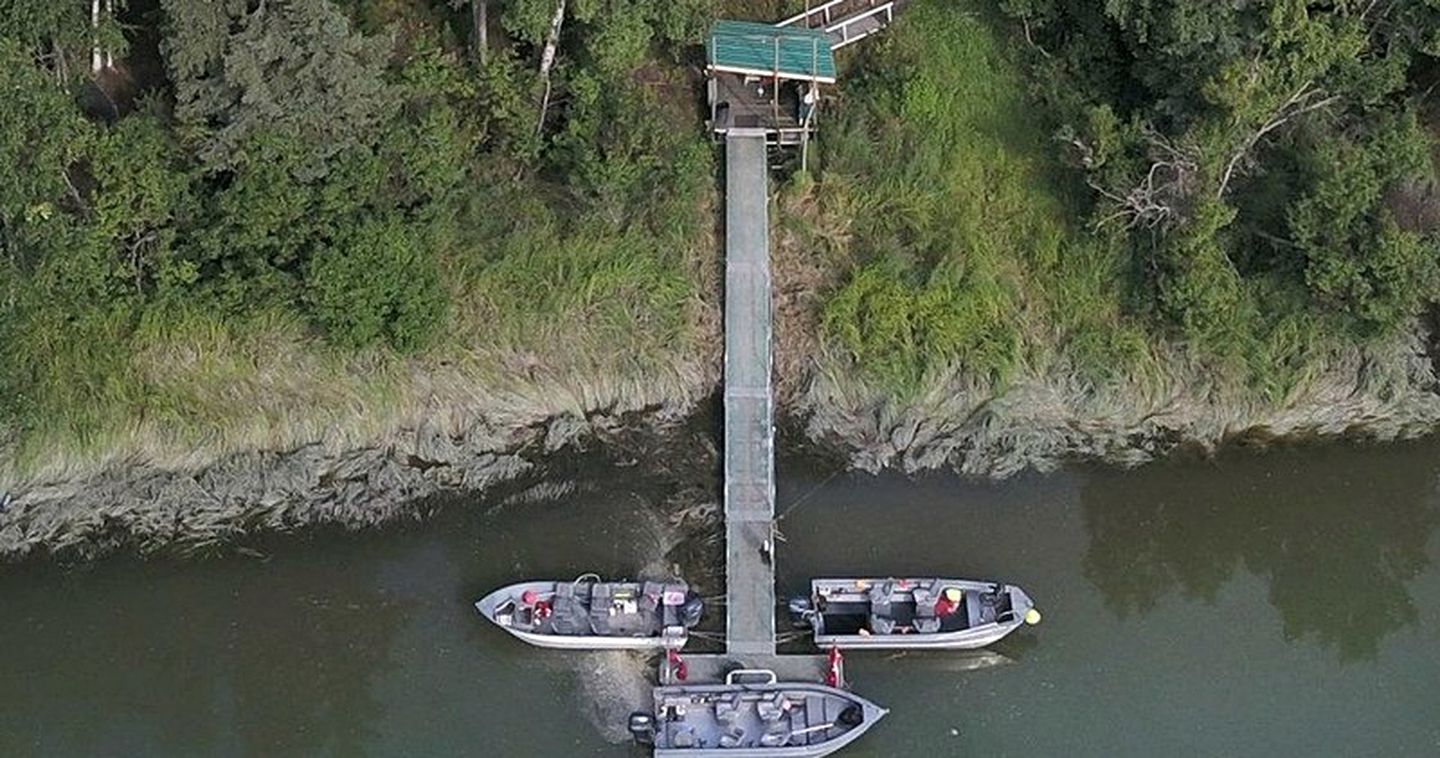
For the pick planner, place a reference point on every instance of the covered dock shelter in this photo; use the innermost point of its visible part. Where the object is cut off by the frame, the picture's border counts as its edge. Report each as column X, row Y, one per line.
column 766, row 79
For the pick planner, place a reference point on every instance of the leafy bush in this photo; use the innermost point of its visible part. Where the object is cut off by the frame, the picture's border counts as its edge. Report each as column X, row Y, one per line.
column 377, row 283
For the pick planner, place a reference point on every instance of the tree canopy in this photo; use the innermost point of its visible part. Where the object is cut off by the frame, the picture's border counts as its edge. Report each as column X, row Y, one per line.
column 1247, row 146
column 334, row 161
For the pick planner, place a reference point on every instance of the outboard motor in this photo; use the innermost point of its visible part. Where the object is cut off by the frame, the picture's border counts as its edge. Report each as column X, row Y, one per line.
column 692, row 610
column 802, row 611
column 642, row 727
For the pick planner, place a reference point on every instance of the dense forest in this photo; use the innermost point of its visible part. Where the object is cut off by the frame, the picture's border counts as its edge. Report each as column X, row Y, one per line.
column 234, row 214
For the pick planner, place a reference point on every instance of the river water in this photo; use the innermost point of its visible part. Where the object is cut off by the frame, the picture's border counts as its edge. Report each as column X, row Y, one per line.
column 1261, row 603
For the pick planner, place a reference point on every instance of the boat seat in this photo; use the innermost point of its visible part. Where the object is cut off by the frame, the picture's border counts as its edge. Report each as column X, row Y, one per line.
column 600, row 609
column 733, row 737
column 974, row 612
column 683, row 737
column 727, row 710
column 925, row 601
column 570, row 615
column 929, row 625
column 880, row 600
column 776, row 735
column 882, row 625
column 672, row 604
column 769, row 707
column 650, row 594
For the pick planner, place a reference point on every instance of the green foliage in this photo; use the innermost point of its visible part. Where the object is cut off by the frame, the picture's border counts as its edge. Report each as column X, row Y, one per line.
column 377, row 282
column 294, row 69
column 1247, row 152
column 1199, row 288
column 951, row 319
column 60, row 35
column 142, row 196
column 1357, row 260
column 41, row 135
column 312, row 181
column 961, row 254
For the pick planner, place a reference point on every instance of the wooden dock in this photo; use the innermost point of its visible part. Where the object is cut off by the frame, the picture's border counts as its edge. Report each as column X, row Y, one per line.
column 749, row 432
column 749, row 126
column 749, row 402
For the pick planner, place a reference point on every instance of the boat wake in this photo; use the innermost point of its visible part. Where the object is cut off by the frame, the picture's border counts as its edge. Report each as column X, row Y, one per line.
column 612, row 685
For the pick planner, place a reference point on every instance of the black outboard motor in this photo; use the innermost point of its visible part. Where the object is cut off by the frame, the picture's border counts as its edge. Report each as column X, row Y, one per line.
column 642, row 727
column 693, row 609
column 802, row 611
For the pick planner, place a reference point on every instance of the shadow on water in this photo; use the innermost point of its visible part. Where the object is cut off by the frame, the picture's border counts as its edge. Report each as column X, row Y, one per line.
column 1337, row 534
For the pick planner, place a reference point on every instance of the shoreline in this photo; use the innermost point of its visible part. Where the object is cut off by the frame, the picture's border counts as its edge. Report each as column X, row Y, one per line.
column 1038, row 423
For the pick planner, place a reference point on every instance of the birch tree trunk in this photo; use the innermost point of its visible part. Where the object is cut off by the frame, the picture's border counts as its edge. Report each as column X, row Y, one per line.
column 547, row 60
column 110, row 54
column 480, row 20
column 96, row 60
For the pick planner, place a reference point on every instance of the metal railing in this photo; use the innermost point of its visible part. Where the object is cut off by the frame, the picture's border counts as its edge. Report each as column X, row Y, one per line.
column 839, row 17
column 844, row 26
column 824, row 10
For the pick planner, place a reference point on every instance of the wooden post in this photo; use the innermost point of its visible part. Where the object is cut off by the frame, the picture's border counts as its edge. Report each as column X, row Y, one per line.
column 775, row 86
column 810, row 110
column 805, row 150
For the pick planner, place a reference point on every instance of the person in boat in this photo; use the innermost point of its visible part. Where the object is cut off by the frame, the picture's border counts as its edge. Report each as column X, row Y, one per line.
column 539, row 609
column 948, row 603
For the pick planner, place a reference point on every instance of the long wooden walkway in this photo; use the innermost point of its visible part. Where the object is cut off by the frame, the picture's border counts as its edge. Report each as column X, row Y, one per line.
column 749, row 410
column 749, row 398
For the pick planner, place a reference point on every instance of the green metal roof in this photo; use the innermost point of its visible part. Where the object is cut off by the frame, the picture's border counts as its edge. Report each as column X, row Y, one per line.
column 749, row 48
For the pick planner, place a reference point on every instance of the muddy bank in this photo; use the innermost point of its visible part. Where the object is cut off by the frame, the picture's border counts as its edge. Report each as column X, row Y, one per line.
column 1045, row 418
column 1037, row 422
column 147, row 507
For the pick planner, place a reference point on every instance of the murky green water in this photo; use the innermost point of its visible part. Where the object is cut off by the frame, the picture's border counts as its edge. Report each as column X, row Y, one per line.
column 1277, row 603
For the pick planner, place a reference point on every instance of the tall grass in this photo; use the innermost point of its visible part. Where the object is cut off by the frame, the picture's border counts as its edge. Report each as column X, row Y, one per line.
column 553, row 312
column 965, row 251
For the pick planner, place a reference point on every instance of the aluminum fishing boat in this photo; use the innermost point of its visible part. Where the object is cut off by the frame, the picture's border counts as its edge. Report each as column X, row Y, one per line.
column 590, row 614
column 752, row 715
column 911, row 614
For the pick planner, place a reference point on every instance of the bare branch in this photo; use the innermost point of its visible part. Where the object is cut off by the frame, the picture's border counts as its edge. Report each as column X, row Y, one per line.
column 1159, row 200
column 1026, row 23
column 1297, row 105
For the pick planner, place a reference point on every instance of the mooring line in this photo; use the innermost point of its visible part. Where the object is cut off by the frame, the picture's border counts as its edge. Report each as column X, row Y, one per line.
column 803, row 498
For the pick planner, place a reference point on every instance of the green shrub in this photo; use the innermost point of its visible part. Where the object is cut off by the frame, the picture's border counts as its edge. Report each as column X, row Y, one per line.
column 377, row 283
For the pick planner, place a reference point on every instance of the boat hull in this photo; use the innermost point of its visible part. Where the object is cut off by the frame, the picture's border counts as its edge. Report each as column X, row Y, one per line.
column 488, row 606
column 970, row 638
column 582, row 642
